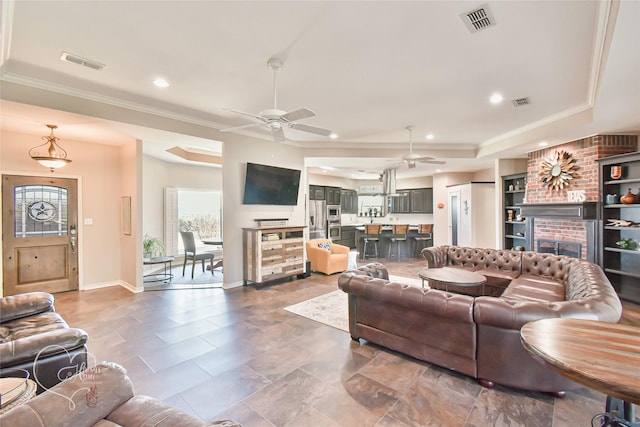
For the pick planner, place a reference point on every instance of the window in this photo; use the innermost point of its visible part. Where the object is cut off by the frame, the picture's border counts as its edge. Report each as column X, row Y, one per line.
column 199, row 211
column 40, row 210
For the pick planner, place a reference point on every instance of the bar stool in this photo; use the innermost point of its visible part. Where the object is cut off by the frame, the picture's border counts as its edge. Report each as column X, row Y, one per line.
column 425, row 235
column 371, row 234
column 399, row 235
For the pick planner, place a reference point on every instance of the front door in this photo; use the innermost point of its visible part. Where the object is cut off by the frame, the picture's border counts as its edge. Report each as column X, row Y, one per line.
column 40, row 239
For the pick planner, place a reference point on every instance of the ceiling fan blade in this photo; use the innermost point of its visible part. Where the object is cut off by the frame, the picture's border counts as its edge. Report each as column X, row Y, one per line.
column 431, row 161
column 241, row 127
column 310, row 129
column 255, row 116
column 278, row 135
column 302, row 113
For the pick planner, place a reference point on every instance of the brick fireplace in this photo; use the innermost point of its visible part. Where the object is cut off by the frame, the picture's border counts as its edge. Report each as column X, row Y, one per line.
column 550, row 214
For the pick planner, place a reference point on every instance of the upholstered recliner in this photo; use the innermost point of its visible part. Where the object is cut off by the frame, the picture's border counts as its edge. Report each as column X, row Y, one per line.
column 100, row 396
column 327, row 257
column 33, row 337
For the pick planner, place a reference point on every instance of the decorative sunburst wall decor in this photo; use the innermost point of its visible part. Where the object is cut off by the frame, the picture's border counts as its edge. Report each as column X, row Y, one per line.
column 558, row 171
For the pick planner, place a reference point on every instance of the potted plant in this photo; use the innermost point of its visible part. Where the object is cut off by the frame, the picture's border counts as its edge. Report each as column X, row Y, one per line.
column 152, row 247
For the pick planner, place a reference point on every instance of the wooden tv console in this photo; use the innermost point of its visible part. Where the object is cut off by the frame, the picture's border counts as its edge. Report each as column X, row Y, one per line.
column 272, row 253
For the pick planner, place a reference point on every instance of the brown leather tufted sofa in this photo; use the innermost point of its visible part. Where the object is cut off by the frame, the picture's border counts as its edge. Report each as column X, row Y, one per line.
column 33, row 337
column 479, row 335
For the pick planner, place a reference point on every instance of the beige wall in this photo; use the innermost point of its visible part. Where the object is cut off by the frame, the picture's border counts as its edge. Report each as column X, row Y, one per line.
column 100, row 176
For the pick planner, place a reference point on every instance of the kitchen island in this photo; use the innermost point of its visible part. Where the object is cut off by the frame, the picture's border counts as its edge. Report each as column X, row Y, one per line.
column 406, row 250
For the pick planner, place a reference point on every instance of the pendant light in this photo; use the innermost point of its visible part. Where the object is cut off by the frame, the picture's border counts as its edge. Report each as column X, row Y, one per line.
column 50, row 154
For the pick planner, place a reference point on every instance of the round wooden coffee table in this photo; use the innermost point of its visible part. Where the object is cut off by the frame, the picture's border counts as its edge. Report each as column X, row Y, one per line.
column 449, row 276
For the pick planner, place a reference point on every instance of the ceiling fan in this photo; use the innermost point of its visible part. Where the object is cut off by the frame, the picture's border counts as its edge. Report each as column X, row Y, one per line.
column 277, row 119
column 412, row 158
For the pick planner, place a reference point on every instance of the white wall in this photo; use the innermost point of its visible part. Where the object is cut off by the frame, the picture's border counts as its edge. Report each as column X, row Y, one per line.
column 238, row 216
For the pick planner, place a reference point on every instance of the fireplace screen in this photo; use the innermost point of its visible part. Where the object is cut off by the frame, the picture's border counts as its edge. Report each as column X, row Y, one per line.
column 558, row 247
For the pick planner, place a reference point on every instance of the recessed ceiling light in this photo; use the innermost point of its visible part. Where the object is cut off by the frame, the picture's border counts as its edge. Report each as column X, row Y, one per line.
column 496, row 98
column 429, row 136
column 333, row 135
column 327, row 168
column 160, row 82
column 543, row 144
column 438, row 170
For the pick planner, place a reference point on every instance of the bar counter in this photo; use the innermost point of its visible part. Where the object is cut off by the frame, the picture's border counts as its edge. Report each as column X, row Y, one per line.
column 406, row 249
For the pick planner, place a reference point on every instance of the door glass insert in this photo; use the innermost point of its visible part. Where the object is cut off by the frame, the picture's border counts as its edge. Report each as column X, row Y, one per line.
column 40, row 210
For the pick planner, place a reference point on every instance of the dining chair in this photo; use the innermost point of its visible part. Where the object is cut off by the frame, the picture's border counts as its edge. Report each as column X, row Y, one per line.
column 424, row 237
column 399, row 234
column 190, row 253
column 371, row 235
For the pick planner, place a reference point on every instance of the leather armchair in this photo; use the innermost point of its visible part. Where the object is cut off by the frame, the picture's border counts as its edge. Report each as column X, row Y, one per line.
column 100, row 396
column 33, row 337
column 334, row 260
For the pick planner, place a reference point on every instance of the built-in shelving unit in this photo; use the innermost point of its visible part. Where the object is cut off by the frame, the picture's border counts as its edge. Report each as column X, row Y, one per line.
column 273, row 253
column 622, row 266
column 515, row 231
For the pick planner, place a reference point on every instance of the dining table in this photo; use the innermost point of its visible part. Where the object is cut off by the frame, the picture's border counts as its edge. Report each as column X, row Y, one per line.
column 214, row 242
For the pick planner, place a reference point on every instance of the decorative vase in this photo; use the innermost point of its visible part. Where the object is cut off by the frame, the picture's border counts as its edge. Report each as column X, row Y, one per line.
column 628, row 198
column 611, row 199
column 616, row 172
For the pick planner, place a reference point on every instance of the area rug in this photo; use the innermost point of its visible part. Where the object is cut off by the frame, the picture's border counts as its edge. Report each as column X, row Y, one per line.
column 200, row 280
column 332, row 309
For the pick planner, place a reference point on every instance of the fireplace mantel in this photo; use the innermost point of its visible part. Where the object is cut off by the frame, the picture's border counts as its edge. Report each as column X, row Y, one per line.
column 578, row 211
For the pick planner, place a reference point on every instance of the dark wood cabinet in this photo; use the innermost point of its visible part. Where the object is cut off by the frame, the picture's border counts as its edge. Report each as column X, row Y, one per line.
column 515, row 229
column 348, row 233
column 332, row 195
column 317, row 192
column 619, row 254
column 417, row 200
column 422, row 200
column 349, row 201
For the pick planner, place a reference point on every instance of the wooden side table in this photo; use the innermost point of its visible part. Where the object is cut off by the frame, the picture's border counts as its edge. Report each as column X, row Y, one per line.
column 15, row 391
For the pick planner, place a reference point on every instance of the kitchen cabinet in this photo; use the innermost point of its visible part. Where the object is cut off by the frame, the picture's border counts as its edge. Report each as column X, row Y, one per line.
column 348, row 233
column 332, row 195
column 272, row 253
column 349, row 201
column 317, row 192
column 514, row 230
column 422, row 200
column 619, row 256
column 417, row 200
column 401, row 203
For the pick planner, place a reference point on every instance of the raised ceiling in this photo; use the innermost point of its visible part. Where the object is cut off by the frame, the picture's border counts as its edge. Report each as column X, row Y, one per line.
column 367, row 69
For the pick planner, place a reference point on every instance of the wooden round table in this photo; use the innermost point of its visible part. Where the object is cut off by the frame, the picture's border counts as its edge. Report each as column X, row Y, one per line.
column 449, row 276
column 15, row 391
column 601, row 355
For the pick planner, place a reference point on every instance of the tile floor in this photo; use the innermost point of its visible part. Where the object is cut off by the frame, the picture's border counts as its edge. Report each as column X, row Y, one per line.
column 237, row 354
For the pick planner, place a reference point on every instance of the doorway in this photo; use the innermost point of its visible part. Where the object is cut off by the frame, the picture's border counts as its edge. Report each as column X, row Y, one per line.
column 40, row 234
column 454, row 216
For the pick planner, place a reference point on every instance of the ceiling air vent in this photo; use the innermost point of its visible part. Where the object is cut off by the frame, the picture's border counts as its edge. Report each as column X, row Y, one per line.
column 478, row 19
column 520, row 102
column 70, row 57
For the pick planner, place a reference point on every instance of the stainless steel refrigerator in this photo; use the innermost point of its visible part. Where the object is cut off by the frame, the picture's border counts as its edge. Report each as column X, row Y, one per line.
column 317, row 219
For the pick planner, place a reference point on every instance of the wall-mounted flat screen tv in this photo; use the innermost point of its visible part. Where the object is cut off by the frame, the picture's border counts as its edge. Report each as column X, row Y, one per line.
column 271, row 185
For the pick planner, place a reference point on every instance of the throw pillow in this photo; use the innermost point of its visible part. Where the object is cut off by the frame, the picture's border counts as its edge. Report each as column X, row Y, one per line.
column 325, row 245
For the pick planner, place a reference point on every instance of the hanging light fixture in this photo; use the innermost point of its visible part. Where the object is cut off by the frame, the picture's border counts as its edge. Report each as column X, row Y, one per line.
column 50, row 155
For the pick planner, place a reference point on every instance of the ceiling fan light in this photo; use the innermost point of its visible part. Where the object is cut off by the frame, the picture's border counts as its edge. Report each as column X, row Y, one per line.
column 50, row 154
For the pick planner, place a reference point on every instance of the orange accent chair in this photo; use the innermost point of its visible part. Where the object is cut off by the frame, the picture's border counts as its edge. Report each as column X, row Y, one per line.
column 332, row 258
